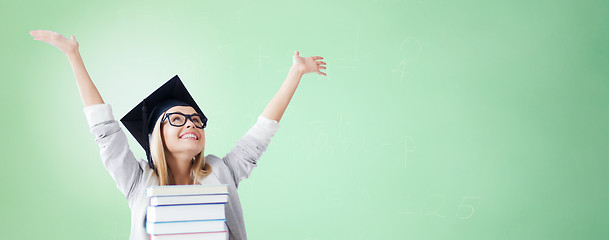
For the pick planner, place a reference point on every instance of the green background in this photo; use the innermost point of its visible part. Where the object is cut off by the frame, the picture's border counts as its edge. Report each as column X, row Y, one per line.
column 438, row 119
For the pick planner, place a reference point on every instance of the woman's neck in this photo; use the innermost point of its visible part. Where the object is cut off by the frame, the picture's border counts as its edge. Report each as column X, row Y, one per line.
column 180, row 170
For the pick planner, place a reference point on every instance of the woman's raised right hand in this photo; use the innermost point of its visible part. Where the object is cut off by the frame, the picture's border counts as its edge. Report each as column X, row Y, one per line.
column 66, row 45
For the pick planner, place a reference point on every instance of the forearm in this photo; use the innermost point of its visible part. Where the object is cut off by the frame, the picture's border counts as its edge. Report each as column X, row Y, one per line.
column 276, row 107
column 88, row 91
column 114, row 150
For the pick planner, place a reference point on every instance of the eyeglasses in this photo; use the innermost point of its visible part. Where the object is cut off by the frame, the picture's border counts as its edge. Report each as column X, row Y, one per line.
column 178, row 119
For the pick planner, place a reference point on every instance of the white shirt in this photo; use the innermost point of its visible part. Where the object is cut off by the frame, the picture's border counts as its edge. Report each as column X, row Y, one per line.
column 133, row 176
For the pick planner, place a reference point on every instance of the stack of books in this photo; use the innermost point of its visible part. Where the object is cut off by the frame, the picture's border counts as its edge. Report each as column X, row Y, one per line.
column 182, row 212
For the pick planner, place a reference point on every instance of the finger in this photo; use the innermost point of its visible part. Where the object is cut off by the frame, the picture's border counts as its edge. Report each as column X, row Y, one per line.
column 321, row 73
column 321, row 63
column 41, row 34
column 36, row 33
column 47, row 32
column 322, row 67
column 41, row 38
column 317, row 57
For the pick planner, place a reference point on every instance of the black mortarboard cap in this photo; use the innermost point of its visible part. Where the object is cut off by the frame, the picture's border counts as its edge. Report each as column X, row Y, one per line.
column 141, row 119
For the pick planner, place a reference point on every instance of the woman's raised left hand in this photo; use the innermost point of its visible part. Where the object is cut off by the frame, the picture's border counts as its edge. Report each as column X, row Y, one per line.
column 308, row 64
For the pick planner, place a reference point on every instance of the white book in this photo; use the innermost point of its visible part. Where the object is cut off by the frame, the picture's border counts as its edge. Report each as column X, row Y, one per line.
column 223, row 235
column 172, row 213
column 189, row 199
column 186, row 190
column 185, row 227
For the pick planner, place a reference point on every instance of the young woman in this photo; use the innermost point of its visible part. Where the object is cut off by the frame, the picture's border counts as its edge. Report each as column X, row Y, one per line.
column 170, row 127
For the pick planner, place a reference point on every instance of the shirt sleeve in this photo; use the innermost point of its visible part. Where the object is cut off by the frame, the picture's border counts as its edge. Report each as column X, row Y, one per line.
column 243, row 157
column 114, row 150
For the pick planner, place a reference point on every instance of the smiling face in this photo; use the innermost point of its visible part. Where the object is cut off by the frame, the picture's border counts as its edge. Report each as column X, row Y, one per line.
column 185, row 141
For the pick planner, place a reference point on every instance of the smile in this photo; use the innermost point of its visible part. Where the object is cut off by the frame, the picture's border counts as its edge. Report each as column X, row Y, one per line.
column 189, row 136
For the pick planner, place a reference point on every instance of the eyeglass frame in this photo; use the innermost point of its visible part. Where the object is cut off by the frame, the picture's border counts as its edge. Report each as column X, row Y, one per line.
column 186, row 118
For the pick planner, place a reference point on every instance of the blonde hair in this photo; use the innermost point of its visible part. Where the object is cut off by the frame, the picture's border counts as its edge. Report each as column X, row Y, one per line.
column 199, row 169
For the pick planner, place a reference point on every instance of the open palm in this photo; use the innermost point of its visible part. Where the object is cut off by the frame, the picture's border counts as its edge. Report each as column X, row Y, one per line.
column 66, row 45
column 308, row 64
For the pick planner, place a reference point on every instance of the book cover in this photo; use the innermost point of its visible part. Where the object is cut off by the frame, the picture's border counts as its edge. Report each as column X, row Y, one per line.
column 185, row 227
column 188, row 199
column 223, row 235
column 172, row 213
column 177, row 190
